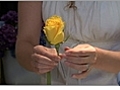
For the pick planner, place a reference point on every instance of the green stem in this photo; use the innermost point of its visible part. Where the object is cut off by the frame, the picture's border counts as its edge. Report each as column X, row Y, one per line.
column 48, row 78
column 57, row 48
column 49, row 73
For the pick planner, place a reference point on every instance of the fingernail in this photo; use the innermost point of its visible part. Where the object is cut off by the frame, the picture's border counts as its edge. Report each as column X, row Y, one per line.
column 73, row 76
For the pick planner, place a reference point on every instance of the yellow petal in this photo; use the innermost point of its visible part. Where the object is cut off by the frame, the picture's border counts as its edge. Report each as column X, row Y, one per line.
column 58, row 39
column 50, row 32
column 54, row 29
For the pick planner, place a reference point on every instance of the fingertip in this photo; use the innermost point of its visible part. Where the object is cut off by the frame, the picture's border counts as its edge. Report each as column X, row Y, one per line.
column 33, row 54
column 66, row 48
column 60, row 54
column 56, row 58
column 63, row 56
column 74, row 76
column 35, row 47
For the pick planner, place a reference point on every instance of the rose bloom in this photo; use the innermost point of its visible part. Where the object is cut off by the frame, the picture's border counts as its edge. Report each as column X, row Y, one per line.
column 54, row 30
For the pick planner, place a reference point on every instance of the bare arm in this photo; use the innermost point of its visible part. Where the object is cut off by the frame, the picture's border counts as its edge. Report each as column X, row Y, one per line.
column 83, row 58
column 29, row 26
column 108, row 60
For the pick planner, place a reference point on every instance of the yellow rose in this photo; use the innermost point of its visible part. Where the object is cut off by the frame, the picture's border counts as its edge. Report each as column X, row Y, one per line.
column 54, row 30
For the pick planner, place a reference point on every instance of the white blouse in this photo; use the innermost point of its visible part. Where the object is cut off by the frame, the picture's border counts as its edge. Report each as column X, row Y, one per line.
column 94, row 22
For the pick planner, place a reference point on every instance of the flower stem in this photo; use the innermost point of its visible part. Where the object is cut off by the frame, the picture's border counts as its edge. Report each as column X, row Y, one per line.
column 49, row 73
column 48, row 78
column 57, row 48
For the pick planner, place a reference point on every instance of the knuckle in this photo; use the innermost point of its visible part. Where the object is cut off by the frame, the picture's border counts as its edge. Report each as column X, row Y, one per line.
column 54, row 57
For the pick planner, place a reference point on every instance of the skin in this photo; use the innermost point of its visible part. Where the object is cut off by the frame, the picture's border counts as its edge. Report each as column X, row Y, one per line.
column 81, row 55
column 29, row 27
column 40, row 59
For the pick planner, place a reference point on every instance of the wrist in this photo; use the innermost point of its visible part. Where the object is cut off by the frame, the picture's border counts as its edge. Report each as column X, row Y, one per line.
column 97, row 57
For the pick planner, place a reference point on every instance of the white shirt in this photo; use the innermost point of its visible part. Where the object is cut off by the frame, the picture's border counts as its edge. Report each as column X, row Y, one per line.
column 94, row 22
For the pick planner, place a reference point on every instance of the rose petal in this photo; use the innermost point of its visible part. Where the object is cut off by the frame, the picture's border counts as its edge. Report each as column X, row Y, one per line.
column 58, row 39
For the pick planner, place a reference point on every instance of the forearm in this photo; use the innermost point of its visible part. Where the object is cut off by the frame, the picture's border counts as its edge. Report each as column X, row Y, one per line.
column 29, row 28
column 24, row 51
column 108, row 60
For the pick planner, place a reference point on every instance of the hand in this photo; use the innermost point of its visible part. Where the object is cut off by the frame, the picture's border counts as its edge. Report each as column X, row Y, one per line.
column 44, row 59
column 81, row 58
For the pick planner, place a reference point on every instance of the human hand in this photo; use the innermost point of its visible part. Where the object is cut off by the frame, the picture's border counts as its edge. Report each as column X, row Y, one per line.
column 44, row 59
column 81, row 58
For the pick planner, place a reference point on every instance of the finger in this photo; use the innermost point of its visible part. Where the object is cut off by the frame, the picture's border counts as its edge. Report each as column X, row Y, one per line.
column 91, row 58
column 82, row 75
column 66, row 48
column 41, row 66
column 39, row 49
column 42, row 70
column 77, row 54
column 51, row 53
column 80, row 53
column 62, row 55
column 44, row 50
column 43, row 60
column 78, row 60
column 77, row 67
